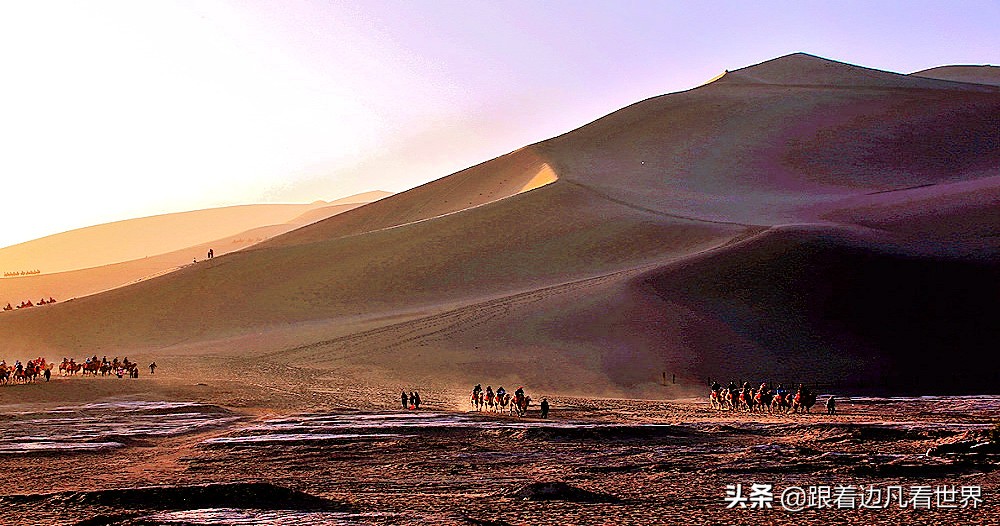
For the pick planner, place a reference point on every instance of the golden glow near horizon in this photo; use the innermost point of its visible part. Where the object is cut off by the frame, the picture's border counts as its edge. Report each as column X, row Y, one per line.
column 127, row 109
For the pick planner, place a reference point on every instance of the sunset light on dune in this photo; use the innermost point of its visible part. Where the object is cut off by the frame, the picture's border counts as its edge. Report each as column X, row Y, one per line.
column 444, row 262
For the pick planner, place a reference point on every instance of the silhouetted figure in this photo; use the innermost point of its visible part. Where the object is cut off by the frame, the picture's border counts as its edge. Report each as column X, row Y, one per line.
column 152, row 368
column 831, row 406
column 211, row 253
column 403, row 398
column 545, row 408
column 48, row 374
column 416, row 400
column 413, row 401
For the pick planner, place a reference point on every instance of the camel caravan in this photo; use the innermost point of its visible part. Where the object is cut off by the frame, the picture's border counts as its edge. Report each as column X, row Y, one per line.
column 19, row 273
column 500, row 401
column 94, row 366
column 24, row 373
column 748, row 400
column 29, row 304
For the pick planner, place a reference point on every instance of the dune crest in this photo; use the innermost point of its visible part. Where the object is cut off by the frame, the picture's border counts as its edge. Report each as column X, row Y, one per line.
column 983, row 74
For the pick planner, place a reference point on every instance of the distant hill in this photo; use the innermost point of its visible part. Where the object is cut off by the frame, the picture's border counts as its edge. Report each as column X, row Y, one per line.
column 984, row 74
column 75, row 283
column 139, row 238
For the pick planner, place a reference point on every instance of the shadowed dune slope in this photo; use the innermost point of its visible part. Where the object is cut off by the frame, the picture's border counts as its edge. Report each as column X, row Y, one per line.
column 830, row 306
column 984, row 74
column 821, row 306
column 801, row 219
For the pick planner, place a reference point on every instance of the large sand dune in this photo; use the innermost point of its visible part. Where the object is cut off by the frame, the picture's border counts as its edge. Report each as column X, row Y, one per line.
column 801, row 219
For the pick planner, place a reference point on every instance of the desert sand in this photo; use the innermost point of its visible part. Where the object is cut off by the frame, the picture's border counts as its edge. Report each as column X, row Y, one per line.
column 800, row 220
column 86, row 261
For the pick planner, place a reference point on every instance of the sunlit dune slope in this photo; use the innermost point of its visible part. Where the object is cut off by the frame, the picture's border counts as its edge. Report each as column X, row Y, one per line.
column 801, row 220
column 76, row 283
column 975, row 74
column 499, row 178
column 139, row 238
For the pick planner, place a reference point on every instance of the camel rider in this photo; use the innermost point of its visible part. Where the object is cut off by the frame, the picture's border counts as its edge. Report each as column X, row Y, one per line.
column 500, row 393
column 716, row 386
column 489, row 392
column 477, row 389
column 519, row 393
column 732, row 387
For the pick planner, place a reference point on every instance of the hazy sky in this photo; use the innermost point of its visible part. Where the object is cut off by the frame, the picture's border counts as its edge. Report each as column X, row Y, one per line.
column 111, row 110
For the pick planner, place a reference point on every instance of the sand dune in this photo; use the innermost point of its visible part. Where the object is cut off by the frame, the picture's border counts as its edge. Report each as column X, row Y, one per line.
column 132, row 239
column 77, row 283
column 801, row 218
column 984, row 74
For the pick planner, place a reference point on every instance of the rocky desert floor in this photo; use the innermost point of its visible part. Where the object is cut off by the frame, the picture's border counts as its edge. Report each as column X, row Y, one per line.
column 279, row 445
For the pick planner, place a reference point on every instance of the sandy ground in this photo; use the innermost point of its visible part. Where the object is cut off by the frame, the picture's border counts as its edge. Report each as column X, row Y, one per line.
column 661, row 462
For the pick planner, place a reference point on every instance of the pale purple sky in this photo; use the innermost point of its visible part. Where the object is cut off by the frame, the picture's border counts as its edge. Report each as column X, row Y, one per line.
column 119, row 109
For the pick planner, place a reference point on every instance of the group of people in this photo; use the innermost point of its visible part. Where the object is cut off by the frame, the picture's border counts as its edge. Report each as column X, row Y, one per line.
column 500, row 401
column 411, row 402
column 26, row 304
column 779, row 399
column 24, row 373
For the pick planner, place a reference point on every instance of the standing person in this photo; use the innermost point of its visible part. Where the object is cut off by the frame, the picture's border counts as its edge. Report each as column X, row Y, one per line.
column 152, row 368
column 403, row 398
column 545, row 408
column 48, row 373
column 416, row 400
column 413, row 401
column 831, row 406
column 211, row 253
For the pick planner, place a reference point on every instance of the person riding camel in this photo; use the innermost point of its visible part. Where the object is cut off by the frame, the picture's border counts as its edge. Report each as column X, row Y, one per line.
column 519, row 393
column 477, row 389
column 500, row 393
column 716, row 387
column 489, row 394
